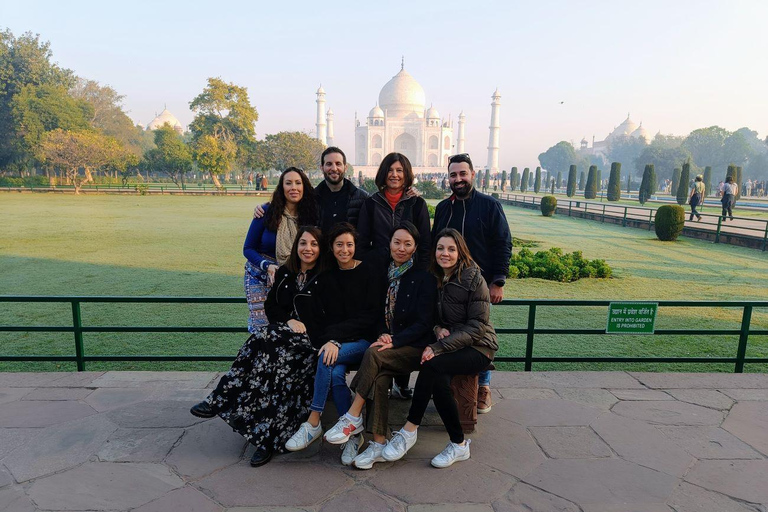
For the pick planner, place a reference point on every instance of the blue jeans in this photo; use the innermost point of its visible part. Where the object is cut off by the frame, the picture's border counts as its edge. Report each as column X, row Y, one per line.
column 333, row 377
column 484, row 378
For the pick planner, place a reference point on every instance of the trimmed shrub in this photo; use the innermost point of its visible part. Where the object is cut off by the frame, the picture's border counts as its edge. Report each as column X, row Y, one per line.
column 669, row 222
column 495, row 195
column 675, row 181
column 524, row 181
column 553, row 265
column 642, row 194
column 737, row 179
column 614, row 182
column 652, row 181
column 537, row 181
column 682, row 186
column 582, row 180
column 570, row 190
column 487, row 178
column 629, row 183
column 514, row 180
column 530, row 180
column 552, row 187
column 559, row 182
column 600, row 180
column 707, row 180
column 590, row 189
column 503, row 180
column 429, row 190
column 548, row 205
column 431, row 210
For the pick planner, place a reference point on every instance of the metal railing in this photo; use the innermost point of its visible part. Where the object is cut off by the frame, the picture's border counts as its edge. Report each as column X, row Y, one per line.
column 152, row 188
column 530, row 331
column 755, row 229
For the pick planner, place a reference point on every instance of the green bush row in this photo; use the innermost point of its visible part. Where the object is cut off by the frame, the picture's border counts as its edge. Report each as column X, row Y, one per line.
column 553, row 265
column 29, row 181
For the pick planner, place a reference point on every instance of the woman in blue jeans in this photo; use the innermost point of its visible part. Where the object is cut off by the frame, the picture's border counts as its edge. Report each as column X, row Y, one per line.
column 350, row 296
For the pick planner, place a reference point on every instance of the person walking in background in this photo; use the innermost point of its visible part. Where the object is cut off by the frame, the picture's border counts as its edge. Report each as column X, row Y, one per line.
column 697, row 196
column 728, row 191
column 270, row 238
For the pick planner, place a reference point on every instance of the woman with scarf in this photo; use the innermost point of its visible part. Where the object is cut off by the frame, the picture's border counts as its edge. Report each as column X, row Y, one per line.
column 270, row 238
column 268, row 390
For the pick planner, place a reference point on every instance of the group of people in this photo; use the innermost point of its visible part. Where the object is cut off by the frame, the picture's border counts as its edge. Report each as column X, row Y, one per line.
column 261, row 182
column 336, row 278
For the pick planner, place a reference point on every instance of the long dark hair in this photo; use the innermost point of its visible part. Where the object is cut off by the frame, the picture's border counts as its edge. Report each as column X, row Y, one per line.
column 381, row 174
column 294, row 262
column 464, row 260
column 307, row 207
column 338, row 229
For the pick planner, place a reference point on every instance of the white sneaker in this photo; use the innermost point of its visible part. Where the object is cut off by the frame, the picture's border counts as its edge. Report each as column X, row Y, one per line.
column 343, row 430
column 350, row 448
column 305, row 436
column 452, row 453
column 398, row 446
column 370, row 456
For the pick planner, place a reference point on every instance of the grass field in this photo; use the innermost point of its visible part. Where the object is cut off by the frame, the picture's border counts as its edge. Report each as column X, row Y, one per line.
column 191, row 246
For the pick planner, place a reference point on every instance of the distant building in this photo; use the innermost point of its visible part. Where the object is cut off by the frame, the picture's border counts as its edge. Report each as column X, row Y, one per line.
column 165, row 117
column 627, row 128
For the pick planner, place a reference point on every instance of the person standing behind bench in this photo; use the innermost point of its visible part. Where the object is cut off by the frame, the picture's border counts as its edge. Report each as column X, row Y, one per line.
column 481, row 221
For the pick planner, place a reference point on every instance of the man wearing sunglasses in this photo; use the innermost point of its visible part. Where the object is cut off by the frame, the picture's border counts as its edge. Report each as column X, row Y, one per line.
column 481, row 220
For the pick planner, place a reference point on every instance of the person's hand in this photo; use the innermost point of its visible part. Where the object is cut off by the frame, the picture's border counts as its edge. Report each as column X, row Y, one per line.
column 297, row 326
column 330, row 353
column 384, row 342
column 441, row 332
column 412, row 192
column 271, row 269
column 497, row 293
column 427, row 355
column 258, row 212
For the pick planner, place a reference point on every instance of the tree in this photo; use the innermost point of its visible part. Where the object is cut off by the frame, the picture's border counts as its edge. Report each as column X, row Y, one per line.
column 625, row 149
column 600, row 181
column 664, row 160
column 682, row 187
column 559, row 179
column 614, row 182
column 487, row 179
column 675, row 181
column 590, row 189
column 515, row 179
column 223, row 127
column 524, row 180
column 171, row 156
column 629, row 183
column 642, row 193
column 537, row 181
column 738, row 181
column 552, row 186
column 582, row 180
column 530, row 180
column 706, row 145
column 72, row 151
column 653, row 183
column 559, row 157
column 503, row 180
column 707, row 180
column 292, row 149
column 570, row 190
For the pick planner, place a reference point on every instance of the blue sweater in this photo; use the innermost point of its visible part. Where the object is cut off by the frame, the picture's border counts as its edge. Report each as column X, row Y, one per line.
column 258, row 241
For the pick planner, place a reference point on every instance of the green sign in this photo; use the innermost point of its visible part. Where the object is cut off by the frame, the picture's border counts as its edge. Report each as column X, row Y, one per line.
column 631, row 317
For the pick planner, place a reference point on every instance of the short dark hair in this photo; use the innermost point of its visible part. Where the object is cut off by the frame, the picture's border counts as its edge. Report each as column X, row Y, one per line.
column 328, row 151
column 460, row 158
column 294, row 262
column 729, row 179
column 381, row 174
column 338, row 229
column 409, row 227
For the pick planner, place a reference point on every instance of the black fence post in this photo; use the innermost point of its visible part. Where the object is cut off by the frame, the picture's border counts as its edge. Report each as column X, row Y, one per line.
column 78, row 325
column 746, row 318
column 529, row 337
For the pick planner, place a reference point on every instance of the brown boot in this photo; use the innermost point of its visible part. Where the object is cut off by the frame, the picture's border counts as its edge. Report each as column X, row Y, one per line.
column 483, row 400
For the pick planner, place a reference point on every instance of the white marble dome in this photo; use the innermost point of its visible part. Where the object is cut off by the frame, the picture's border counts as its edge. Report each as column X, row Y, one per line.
column 432, row 113
column 624, row 129
column 641, row 133
column 376, row 112
column 402, row 95
column 162, row 119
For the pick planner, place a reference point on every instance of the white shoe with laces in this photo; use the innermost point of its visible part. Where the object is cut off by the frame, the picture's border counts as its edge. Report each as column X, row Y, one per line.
column 370, row 456
column 305, row 436
column 398, row 445
column 343, row 430
column 452, row 453
column 350, row 448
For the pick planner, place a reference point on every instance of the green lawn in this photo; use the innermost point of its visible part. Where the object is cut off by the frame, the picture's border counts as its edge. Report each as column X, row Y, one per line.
column 191, row 246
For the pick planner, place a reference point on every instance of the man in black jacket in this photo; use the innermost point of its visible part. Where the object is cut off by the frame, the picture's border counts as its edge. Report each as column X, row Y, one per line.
column 481, row 220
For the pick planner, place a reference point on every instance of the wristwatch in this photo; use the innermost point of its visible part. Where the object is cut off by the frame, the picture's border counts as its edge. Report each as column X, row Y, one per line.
column 500, row 283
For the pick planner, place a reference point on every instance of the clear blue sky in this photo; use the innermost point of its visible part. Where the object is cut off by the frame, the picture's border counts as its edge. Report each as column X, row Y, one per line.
column 674, row 65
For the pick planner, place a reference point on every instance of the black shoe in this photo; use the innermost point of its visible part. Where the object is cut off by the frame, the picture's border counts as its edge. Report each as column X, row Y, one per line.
column 403, row 393
column 261, row 456
column 203, row 410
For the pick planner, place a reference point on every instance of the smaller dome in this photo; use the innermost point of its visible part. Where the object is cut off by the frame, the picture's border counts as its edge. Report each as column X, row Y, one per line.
column 376, row 112
column 320, row 90
column 461, row 115
column 329, row 113
column 164, row 118
column 641, row 133
column 432, row 113
column 584, row 141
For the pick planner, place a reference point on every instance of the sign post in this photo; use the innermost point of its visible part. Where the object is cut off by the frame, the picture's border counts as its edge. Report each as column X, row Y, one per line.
column 631, row 317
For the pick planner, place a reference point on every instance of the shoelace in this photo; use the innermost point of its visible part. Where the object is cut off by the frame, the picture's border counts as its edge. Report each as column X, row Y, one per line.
column 449, row 451
column 398, row 440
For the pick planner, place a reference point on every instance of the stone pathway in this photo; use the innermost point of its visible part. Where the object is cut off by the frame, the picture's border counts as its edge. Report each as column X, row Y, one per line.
column 555, row 441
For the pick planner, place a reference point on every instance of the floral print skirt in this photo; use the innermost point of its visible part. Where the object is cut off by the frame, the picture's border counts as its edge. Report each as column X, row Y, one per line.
column 266, row 394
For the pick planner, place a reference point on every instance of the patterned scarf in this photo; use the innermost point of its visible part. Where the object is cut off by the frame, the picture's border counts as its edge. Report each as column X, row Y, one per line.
column 286, row 234
column 394, row 274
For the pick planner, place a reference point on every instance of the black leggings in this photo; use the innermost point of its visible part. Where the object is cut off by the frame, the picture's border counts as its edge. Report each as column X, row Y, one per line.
column 435, row 382
column 728, row 201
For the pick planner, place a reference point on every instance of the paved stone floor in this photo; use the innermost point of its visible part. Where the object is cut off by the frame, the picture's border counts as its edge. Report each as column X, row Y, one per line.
column 556, row 441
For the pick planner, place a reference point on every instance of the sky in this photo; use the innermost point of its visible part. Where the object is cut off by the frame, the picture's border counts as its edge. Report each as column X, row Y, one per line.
column 566, row 70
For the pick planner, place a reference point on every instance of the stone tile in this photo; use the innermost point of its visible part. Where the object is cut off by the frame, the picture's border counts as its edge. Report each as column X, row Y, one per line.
column 42, row 414
column 526, row 393
column 139, row 444
column 709, row 443
column 749, row 422
column 13, row 438
column 267, row 509
column 191, row 396
column 106, row 399
column 519, row 380
column 602, row 482
column 13, row 394
column 360, row 498
column 59, row 447
column 451, row 507
column 13, row 499
column 546, row 413
column 741, row 479
column 705, row 397
column 431, row 441
column 702, row 380
column 744, row 395
column 465, row 482
column 28, row 379
column 273, row 484
column 206, row 448
column 596, row 397
column 646, row 507
column 56, row 394
column 690, row 498
column 179, row 380
column 76, row 380
column 186, row 499
column 104, row 485
column 161, row 414
column 668, row 413
column 570, row 442
column 640, row 394
column 5, row 477
column 506, row 447
column 642, row 444
column 605, row 380
column 524, row 498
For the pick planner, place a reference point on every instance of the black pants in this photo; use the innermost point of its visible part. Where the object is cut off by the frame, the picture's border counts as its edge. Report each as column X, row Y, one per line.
column 728, row 200
column 695, row 201
column 434, row 382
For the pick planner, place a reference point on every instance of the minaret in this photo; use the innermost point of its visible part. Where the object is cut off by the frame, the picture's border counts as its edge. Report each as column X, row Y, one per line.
column 329, row 116
column 321, row 133
column 493, row 139
column 460, row 138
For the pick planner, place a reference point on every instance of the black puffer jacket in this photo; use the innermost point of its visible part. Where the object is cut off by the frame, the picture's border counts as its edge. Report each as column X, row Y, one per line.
column 285, row 302
column 464, row 308
column 356, row 198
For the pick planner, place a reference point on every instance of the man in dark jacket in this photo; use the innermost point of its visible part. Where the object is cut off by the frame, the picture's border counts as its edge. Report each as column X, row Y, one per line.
column 338, row 199
column 481, row 220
